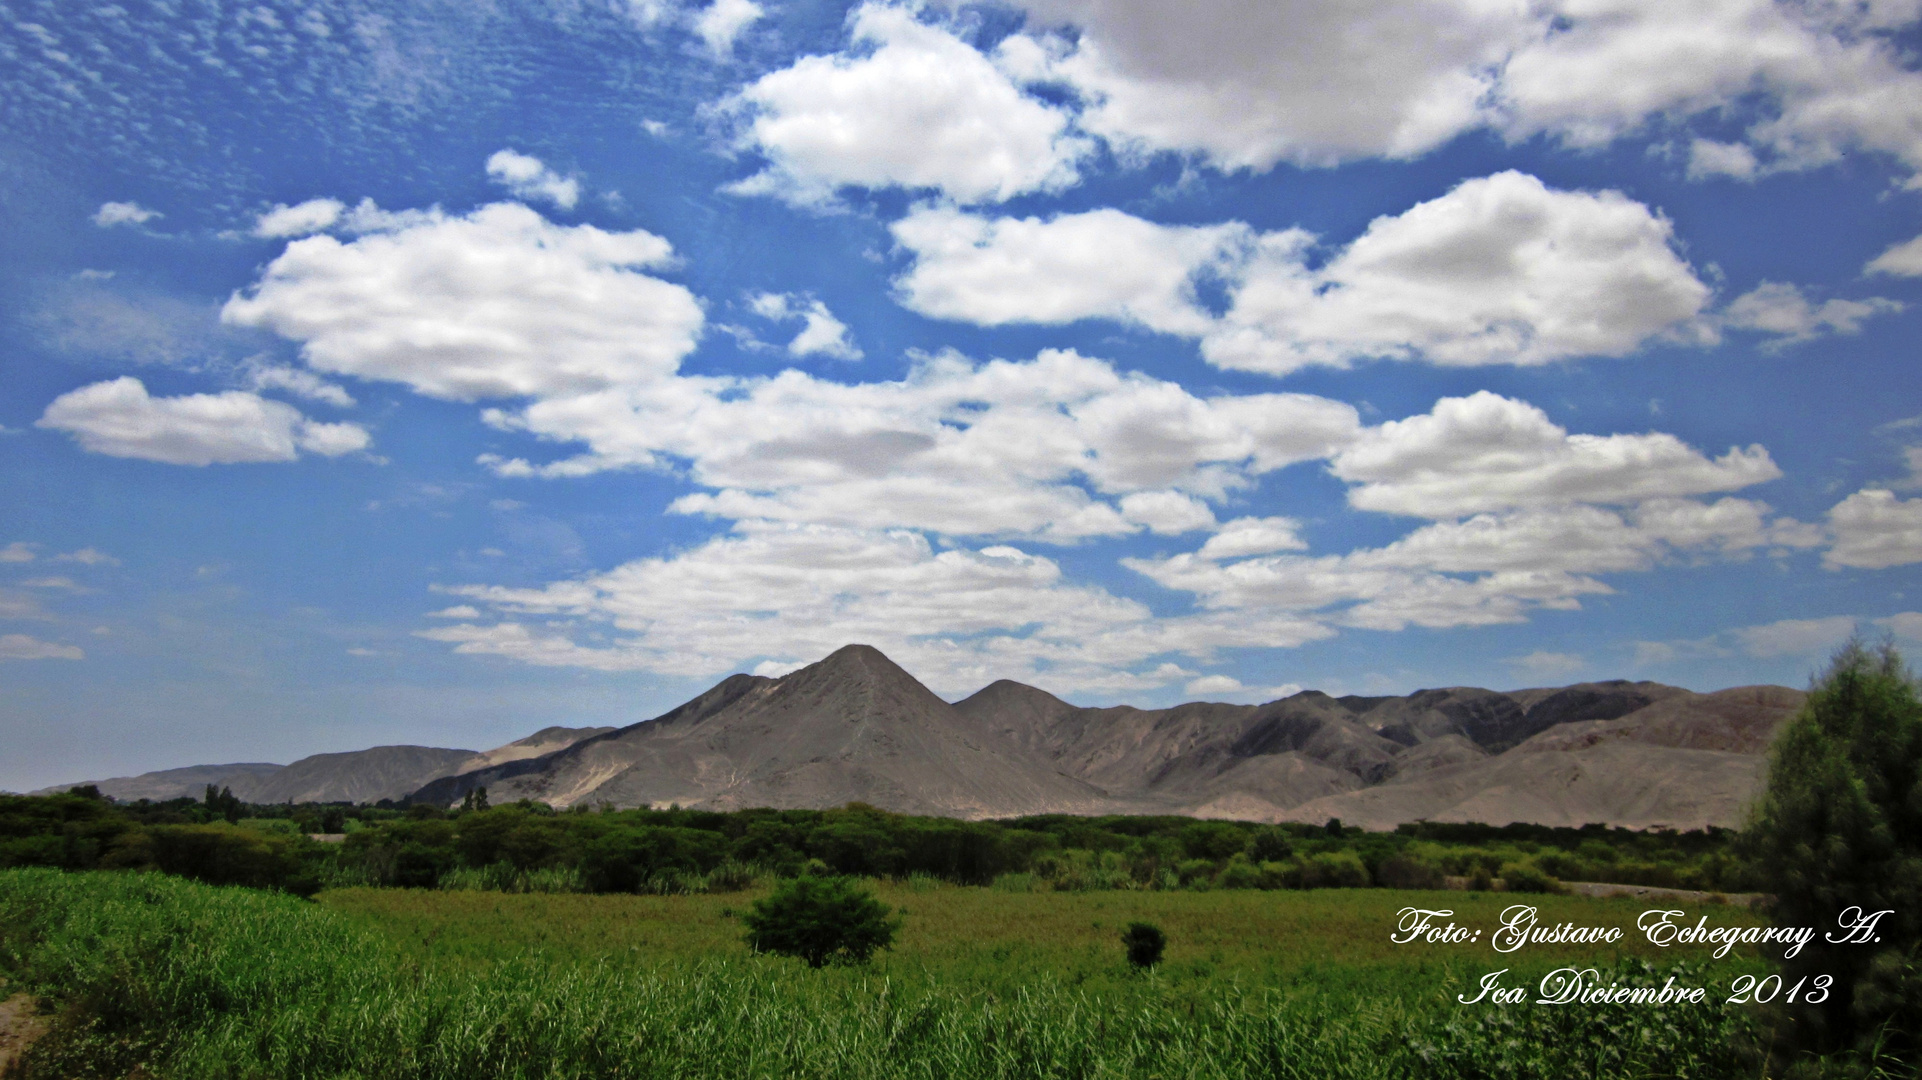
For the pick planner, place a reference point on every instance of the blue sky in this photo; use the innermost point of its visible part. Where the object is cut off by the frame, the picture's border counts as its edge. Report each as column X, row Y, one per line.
column 437, row 372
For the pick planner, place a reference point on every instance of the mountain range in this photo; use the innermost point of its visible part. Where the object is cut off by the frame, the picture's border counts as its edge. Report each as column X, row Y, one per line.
column 856, row 727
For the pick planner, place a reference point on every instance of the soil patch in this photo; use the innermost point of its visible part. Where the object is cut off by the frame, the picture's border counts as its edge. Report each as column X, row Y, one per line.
column 20, row 1025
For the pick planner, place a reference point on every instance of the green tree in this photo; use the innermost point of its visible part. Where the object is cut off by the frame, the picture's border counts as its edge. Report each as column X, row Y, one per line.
column 821, row 920
column 1839, row 827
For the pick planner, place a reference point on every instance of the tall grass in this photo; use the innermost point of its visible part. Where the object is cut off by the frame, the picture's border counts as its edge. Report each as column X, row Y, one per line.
column 192, row 981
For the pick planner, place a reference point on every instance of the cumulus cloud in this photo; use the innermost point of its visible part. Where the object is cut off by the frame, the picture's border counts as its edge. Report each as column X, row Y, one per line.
column 18, row 552
column 123, row 213
column 1777, row 308
column 911, row 106
column 1902, row 260
column 1543, row 664
column 529, row 177
column 1167, row 513
column 120, row 419
column 1487, row 452
column 1253, row 536
column 1099, row 264
column 791, row 593
column 301, row 219
column 1485, row 569
column 1243, row 85
column 1875, row 530
column 1795, row 637
column 1707, row 158
column 303, row 383
column 721, row 22
column 22, row 647
column 821, row 333
column 1903, row 624
column 1500, row 270
column 496, row 303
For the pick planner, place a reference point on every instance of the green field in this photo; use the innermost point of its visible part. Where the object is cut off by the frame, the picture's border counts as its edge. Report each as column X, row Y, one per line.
column 1334, row 940
column 188, row 980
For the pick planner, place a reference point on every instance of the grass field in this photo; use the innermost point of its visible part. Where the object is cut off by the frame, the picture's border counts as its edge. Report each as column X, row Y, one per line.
column 1333, row 940
column 179, row 979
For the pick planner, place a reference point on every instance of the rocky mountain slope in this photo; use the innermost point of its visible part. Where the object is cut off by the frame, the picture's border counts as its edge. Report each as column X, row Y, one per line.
column 856, row 727
column 380, row 772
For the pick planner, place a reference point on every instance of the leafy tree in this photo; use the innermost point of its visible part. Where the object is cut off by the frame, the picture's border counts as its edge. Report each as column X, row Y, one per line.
column 1840, row 826
column 223, row 803
column 1144, row 942
column 820, row 920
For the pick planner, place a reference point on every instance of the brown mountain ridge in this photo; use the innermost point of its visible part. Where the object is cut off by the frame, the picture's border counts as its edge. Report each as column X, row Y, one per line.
column 856, row 727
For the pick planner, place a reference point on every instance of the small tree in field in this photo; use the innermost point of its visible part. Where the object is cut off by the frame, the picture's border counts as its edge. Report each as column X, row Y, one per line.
column 1840, row 826
column 821, row 920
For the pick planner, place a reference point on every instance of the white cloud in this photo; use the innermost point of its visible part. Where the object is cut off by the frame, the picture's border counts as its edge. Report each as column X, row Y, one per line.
column 1903, row 624
column 1707, row 158
column 1542, row 664
column 1489, row 568
column 528, row 177
column 1253, row 536
column 916, row 108
column 18, row 551
column 1776, row 308
column 458, row 611
column 1001, row 448
column 497, row 303
column 1214, row 684
column 1875, row 530
column 88, row 557
column 1500, row 270
column 721, row 22
column 1099, row 264
column 821, row 333
column 123, row 213
column 302, row 219
column 958, row 618
column 119, row 419
column 303, row 383
column 1248, row 85
column 1795, row 637
column 1901, row 260
column 1167, row 513
column 1486, row 452
column 22, row 647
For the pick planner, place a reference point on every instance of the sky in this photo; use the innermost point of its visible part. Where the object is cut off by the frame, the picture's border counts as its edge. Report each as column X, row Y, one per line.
column 435, row 372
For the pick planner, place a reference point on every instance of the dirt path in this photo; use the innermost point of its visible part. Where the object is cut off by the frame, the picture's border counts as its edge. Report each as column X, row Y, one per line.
column 19, row 1026
column 1649, row 892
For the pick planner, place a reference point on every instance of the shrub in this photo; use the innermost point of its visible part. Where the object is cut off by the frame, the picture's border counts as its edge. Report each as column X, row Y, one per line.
column 1527, row 877
column 1239, row 874
column 1334, row 870
column 1144, row 942
column 820, row 920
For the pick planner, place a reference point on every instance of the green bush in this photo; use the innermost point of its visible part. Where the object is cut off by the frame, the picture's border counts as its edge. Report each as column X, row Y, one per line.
column 820, row 920
column 1334, row 870
column 1527, row 877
